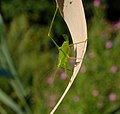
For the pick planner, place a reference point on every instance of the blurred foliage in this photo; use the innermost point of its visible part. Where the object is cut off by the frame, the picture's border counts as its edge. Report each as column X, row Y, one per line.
column 97, row 87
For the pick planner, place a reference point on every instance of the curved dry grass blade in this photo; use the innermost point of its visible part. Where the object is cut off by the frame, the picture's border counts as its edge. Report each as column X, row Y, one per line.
column 73, row 13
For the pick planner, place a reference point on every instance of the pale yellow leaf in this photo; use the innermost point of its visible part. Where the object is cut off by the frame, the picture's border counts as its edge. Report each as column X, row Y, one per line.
column 73, row 13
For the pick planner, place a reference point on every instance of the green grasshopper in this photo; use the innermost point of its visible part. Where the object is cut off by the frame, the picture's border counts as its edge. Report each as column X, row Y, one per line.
column 64, row 50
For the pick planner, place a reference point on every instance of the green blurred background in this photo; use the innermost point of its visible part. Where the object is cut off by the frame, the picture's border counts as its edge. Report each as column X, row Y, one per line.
column 28, row 60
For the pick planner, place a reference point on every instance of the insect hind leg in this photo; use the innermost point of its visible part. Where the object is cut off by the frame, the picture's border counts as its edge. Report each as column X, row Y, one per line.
column 73, row 58
column 66, row 71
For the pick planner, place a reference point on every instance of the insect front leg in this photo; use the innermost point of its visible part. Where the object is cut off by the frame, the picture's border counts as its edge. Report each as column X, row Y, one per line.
column 75, row 58
column 84, row 41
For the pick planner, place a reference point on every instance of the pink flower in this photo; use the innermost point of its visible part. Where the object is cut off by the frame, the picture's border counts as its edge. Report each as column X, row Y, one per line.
column 50, row 80
column 63, row 75
column 113, row 69
column 109, row 44
column 103, row 34
column 51, row 101
column 76, row 98
column 95, row 93
column 83, row 69
column 96, row 3
column 53, row 97
column 91, row 54
column 117, row 24
column 112, row 96
column 51, row 104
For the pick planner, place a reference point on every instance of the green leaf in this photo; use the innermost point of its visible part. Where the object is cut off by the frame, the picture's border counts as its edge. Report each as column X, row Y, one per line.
column 7, row 100
column 2, row 110
column 16, row 83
